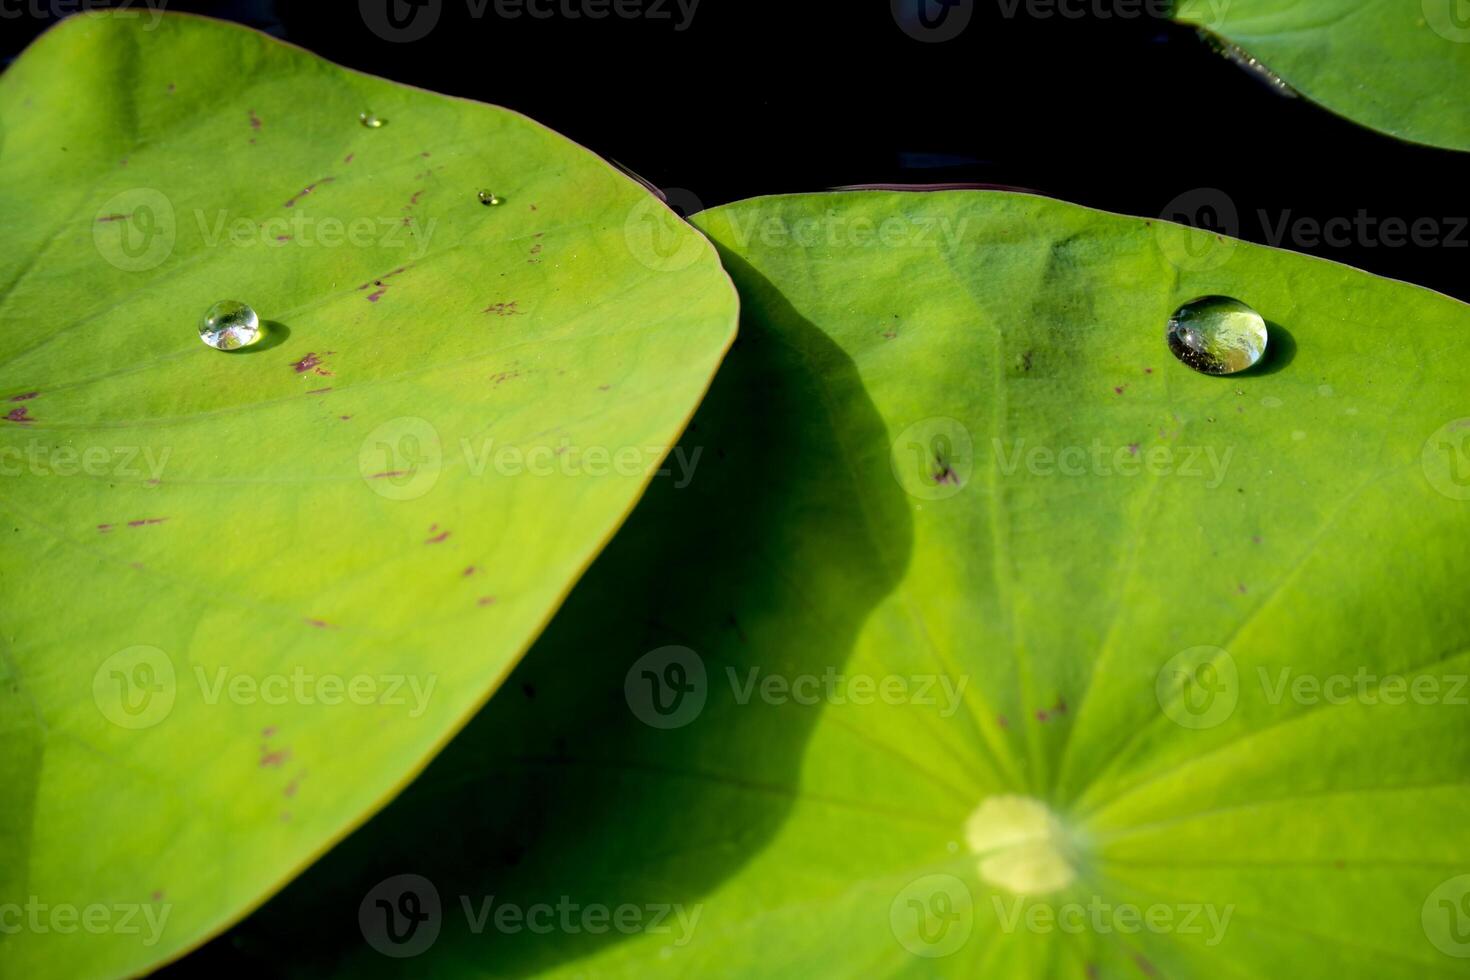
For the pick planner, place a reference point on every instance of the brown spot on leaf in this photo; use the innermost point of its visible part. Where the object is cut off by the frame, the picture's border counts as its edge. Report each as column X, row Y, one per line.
column 503, row 309
column 273, row 759
column 19, row 415
column 307, row 190
column 144, row 522
column 25, row 397
column 254, row 120
column 485, row 600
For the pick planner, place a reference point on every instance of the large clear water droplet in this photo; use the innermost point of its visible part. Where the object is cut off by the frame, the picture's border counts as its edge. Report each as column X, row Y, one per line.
column 489, row 199
column 229, row 325
column 1217, row 335
column 371, row 120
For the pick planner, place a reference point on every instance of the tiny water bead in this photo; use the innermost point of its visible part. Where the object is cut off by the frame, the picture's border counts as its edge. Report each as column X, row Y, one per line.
column 1217, row 335
column 229, row 325
column 370, row 120
column 489, row 199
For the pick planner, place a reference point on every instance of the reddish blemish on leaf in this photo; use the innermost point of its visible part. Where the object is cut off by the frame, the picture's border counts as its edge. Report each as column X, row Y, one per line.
column 104, row 528
column 604, row 387
column 144, row 522
column 1144, row 963
column 485, row 600
column 319, row 391
column 470, row 571
column 1002, row 721
column 504, row 376
column 415, row 199
column 1042, row 716
column 254, row 120
column 1240, row 588
column 283, row 238
column 503, row 309
column 438, row 538
column 25, row 397
column 313, row 362
column 290, row 788
column 388, row 473
column 274, row 759
column 1148, row 370
column 946, row 475
column 268, row 731
column 344, row 418
column 157, row 895
column 320, row 624
column 348, row 158
column 19, row 415
column 1060, row 707
column 1133, row 449
column 1118, row 389
column 113, row 217
column 307, row 190
column 374, row 297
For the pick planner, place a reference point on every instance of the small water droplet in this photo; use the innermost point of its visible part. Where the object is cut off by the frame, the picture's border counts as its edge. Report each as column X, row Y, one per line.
column 370, row 120
column 229, row 325
column 489, row 199
column 1217, row 335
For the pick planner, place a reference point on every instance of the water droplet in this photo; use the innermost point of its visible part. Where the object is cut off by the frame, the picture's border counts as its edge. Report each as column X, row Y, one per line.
column 488, row 199
column 1217, row 335
column 229, row 325
column 370, row 120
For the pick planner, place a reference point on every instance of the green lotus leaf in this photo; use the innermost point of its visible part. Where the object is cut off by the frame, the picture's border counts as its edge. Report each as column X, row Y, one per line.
column 1397, row 66
column 246, row 595
column 988, row 639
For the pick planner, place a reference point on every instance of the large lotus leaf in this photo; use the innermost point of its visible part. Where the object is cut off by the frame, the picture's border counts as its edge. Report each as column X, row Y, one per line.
column 1399, row 66
column 246, row 595
column 1001, row 611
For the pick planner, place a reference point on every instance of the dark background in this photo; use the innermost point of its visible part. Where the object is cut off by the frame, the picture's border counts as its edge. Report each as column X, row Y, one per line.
column 1127, row 113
